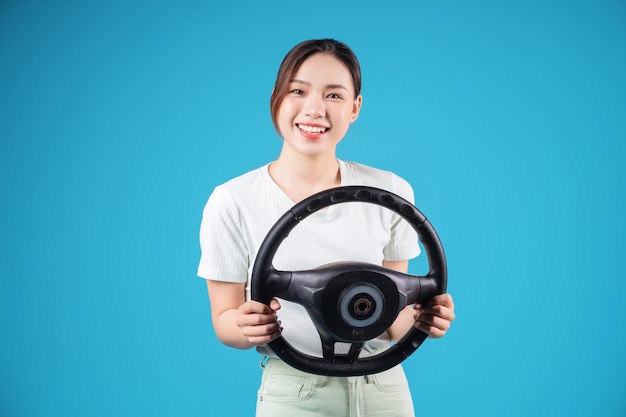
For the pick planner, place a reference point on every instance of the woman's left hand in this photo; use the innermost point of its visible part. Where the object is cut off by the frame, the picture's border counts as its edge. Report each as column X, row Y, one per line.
column 435, row 315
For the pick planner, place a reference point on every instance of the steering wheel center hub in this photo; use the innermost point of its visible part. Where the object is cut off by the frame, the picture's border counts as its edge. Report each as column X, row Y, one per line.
column 366, row 301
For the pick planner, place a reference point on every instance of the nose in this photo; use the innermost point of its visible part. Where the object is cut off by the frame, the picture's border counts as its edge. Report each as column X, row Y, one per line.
column 315, row 107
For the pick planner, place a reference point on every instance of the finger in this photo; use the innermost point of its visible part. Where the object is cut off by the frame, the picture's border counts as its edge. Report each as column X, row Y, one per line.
column 257, row 338
column 431, row 331
column 261, row 330
column 432, row 320
column 255, row 319
column 434, row 326
column 274, row 305
column 254, row 307
column 441, row 299
column 439, row 310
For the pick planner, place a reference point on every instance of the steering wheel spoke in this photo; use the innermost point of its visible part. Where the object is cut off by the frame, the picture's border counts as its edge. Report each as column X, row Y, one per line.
column 328, row 350
column 354, row 352
column 305, row 287
column 330, row 356
column 414, row 288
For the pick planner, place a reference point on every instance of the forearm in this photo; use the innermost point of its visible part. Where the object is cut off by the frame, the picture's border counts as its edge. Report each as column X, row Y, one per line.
column 405, row 319
column 404, row 322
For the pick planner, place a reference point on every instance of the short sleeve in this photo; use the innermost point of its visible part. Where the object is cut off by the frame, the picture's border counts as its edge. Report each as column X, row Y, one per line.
column 403, row 243
column 224, row 254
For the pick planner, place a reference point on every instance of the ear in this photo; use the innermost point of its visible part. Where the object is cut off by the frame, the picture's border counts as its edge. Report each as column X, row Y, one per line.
column 356, row 107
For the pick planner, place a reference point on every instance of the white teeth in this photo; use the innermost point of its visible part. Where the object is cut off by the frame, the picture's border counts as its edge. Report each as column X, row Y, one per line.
column 312, row 129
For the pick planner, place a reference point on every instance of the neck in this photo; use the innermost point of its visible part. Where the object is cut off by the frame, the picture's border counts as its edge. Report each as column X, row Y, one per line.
column 304, row 176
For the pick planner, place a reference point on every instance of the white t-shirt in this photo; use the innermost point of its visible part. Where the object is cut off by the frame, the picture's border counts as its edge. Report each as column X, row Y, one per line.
column 240, row 212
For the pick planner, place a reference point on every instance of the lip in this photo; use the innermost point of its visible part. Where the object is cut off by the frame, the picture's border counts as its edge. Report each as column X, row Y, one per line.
column 312, row 135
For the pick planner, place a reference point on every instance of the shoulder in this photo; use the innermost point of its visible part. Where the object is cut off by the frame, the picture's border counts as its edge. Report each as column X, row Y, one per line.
column 242, row 186
column 361, row 174
column 233, row 196
column 245, row 180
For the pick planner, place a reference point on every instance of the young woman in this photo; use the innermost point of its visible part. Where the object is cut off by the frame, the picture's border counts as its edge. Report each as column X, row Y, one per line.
column 315, row 100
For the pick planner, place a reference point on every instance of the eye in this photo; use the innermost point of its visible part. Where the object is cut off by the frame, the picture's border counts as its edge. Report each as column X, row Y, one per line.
column 297, row 91
column 334, row 96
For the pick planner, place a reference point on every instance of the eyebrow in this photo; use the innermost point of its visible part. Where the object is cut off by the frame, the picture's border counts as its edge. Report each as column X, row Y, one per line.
column 295, row 80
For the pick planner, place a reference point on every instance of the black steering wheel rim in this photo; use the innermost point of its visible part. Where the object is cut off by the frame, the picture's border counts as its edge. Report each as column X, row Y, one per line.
column 266, row 281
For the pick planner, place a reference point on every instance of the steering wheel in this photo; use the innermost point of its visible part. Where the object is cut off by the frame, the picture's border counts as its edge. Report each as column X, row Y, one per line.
column 350, row 302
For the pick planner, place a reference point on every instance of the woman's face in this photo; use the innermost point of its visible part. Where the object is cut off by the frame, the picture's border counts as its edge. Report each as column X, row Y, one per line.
column 319, row 106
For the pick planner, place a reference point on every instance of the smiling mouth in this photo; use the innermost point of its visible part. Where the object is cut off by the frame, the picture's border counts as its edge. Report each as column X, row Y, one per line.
column 312, row 129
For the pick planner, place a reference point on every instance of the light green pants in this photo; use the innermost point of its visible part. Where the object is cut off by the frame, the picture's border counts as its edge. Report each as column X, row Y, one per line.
column 287, row 392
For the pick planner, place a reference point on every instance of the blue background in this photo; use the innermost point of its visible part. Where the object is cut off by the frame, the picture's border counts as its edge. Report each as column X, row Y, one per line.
column 117, row 119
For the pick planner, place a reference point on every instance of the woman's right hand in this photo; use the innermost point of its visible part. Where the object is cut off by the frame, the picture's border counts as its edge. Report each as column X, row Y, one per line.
column 258, row 322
